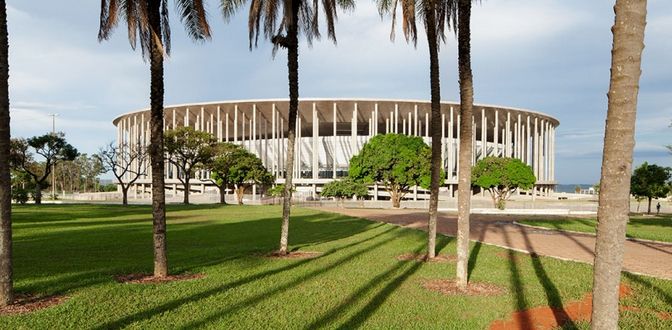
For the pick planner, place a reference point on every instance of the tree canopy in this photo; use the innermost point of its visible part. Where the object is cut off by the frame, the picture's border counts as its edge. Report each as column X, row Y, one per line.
column 345, row 188
column 189, row 150
column 651, row 181
column 234, row 165
column 501, row 177
column 396, row 161
column 52, row 148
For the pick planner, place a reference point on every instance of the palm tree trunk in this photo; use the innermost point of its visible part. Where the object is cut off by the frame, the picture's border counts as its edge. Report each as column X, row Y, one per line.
column 293, row 73
column 240, row 193
column 464, row 161
column 6, row 286
column 612, row 212
column 156, row 142
column 436, row 127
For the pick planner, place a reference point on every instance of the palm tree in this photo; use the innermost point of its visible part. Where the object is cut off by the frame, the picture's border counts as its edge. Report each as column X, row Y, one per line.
column 6, row 287
column 147, row 20
column 466, row 131
column 619, row 141
column 296, row 16
column 436, row 16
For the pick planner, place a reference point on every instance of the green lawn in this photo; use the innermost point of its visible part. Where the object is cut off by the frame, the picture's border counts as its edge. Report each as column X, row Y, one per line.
column 76, row 249
column 657, row 228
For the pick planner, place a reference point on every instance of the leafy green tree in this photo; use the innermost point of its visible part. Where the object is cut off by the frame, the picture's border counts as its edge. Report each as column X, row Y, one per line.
column 189, row 150
column 53, row 148
column 148, row 22
column 248, row 170
column 345, row 188
column 281, row 23
column 396, row 161
column 234, row 166
column 435, row 15
column 502, row 177
column 223, row 159
column 650, row 181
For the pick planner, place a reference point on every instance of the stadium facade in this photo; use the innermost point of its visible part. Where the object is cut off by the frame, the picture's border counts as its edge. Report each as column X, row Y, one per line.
column 331, row 131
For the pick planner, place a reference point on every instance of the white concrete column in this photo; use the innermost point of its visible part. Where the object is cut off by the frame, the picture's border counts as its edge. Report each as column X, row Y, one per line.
column 315, row 153
column 496, row 133
column 274, row 143
column 353, row 130
column 396, row 118
column 253, row 131
column 507, row 148
column 219, row 124
column 535, row 152
column 457, row 156
column 451, row 146
column 443, row 140
column 484, row 137
column 235, row 124
column 174, row 124
column 409, row 129
column 335, row 143
column 375, row 120
column 202, row 123
column 226, row 120
column 426, row 124
column 415, row 124
column 186, row 118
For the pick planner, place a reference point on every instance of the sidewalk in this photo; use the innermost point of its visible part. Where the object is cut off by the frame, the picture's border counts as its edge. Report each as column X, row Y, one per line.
column 640, row 257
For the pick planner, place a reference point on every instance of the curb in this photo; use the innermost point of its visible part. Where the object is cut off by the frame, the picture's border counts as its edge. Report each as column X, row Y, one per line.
column 637, row 240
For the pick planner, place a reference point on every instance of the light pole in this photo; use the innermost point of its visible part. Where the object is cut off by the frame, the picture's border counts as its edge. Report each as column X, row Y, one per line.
column 53, row 167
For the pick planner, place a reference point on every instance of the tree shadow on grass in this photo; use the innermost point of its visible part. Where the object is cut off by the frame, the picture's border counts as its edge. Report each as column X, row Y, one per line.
column 93, row 253
column 146, row 314
column 552, row 293
column 375, row 303
column 520, row 302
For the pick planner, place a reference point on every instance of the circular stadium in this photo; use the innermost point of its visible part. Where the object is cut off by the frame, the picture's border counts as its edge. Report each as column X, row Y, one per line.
column 331, row 131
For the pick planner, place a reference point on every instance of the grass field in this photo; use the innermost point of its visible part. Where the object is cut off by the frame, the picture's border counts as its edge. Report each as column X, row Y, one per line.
column 75, row 250
column 657, row 228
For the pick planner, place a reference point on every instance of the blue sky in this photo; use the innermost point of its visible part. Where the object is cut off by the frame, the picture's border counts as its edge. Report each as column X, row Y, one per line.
column 549, row 56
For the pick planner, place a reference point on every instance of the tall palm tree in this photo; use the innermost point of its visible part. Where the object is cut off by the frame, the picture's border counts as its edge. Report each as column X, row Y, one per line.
column 296, row 16
column 466, row 131
column 6, row 287
column 147, row 20
column 619, row 141
column 436, row 16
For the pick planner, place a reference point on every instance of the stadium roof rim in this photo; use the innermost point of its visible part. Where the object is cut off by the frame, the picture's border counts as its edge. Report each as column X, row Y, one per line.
column 308, row 99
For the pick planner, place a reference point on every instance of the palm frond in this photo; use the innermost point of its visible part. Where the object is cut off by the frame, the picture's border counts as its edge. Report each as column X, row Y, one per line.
column 109, row 10
column 194, row 17
column 165, row 24
column 229, row 8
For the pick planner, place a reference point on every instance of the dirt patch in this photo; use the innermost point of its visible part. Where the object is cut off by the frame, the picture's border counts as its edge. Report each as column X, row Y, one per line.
column 295, row 255
column 26, row 303
column 449, row 287
column 442, row 258
column 546, row 317
column 150, row 279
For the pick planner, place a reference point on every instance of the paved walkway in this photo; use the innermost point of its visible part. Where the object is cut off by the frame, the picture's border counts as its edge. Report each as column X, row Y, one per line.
column 640, row 257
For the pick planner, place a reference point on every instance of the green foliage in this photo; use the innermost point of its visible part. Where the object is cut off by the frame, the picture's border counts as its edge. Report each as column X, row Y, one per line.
column 234, row 165
column 355, row 283
column 20, row 195
column 501, row 177
column 277, row 191
column 651, row 181
column 110, row 187
column 52, row 148
column 345, row 188
column 396, row 161
column 189, row 149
